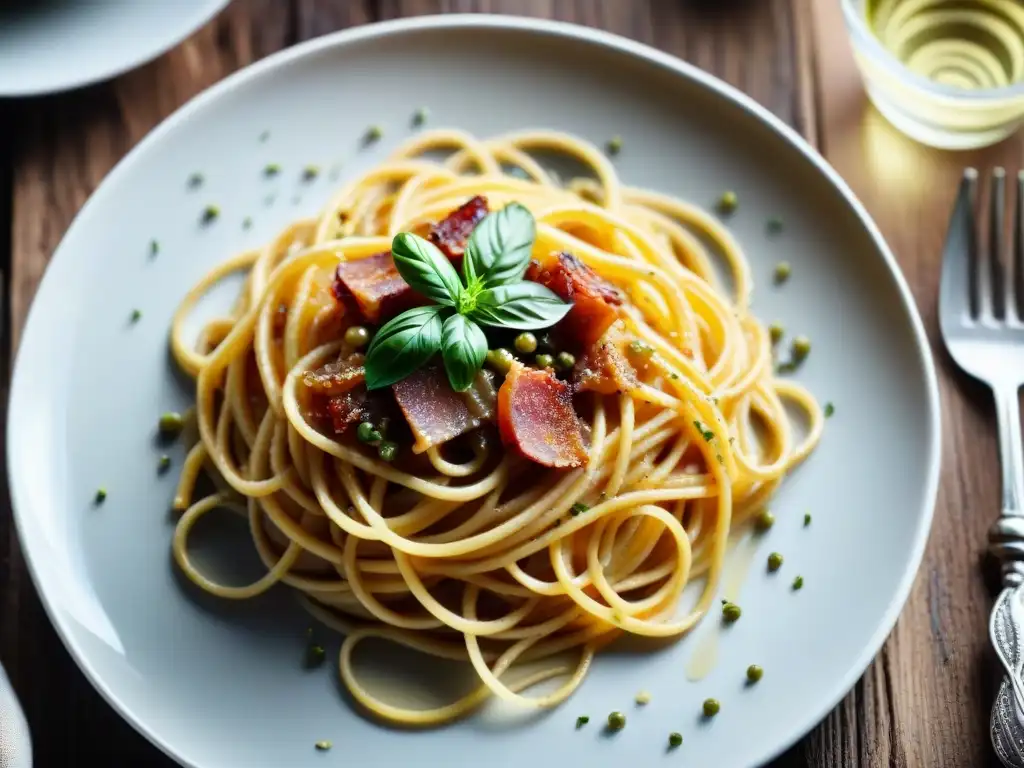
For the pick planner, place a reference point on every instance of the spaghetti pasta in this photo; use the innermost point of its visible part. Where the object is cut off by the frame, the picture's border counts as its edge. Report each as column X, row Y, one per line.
column 467, row 550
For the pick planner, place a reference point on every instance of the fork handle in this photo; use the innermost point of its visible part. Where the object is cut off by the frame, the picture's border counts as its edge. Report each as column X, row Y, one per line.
column 1006, row 537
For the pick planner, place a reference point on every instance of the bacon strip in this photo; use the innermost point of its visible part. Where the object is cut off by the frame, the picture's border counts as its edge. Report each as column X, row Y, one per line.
column 537, row 420
column 604, row 367
column 373, row 287
column 594, row 299
column 436, row 413
column 451, row 233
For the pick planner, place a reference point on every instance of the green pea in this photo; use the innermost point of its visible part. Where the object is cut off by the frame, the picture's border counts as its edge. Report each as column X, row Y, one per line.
column 163, row 464
column 374, row 133
column 675, row 740
column 807, row 519
column 500, row 360
column 754, row 673
column 210, row 213
column 525, row 343
column 136, row 315
column 101, row 495
column 420, row 116
column 774, row 561
column 171, row 423
column 801, row 347
column 545, row 361
column 357, row 336
column 731, row 613
column 366, row 433
column 387, row 451
column 830, row 409
column 614, row 145
column 565, row 361
column 616, row 721
column 764, row 520
column 271, row 169
column 776, row 332
column 711, row 707
column 782, row 272
column 727, row 202
column 323, row 746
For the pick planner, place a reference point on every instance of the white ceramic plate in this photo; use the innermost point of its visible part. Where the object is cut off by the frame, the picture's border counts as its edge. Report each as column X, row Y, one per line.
column 53, row 45
column 221, row 684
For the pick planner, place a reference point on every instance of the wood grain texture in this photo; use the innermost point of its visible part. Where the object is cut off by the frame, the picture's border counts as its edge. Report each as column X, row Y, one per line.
column 924, row 700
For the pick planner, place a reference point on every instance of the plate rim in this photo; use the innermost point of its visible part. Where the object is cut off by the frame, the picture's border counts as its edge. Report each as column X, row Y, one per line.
column 73, row 82
column 532, row 25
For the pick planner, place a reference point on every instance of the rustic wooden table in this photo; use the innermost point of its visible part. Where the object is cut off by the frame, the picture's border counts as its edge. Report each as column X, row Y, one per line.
column 925, row 699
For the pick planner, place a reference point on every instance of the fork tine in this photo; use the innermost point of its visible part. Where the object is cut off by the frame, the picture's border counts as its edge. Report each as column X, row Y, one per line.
column 994, row 292
column 957, row 289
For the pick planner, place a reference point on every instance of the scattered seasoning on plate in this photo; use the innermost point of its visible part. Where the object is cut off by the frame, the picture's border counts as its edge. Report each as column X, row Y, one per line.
column 323, row 746
column 154, row 247
column 581, row 721
column 754, row 673
column 774, row 226
column 643, row 698
column 711, row 707
column 829, row 410
column 419, row 117
column 163, row 464
column 798, row 583
column 614, row 145
column 136, row 315
column 764, row 520
column 616, row 721
column 269, row 200
column 373, row 133
column 264, row 136
column 247, row 222
column 782, row 272
column 195, row 180
column 728, row 202
column 387, row 450
column 271, row 169
column 675, row 740
column 210, row 213
column 807, row 519
column 310, row 172
column 774, row 561
column 578, row 508
column 731, row 613
column 101, row 495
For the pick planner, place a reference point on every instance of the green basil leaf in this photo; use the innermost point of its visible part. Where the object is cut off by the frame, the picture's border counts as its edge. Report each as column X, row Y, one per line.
column 422, row 265
column 402, row 346
column 463, row 348
column 523, row 306
column 498, row 250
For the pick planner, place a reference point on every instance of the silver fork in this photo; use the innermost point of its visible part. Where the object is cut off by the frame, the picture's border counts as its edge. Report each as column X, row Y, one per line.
column 981, row 308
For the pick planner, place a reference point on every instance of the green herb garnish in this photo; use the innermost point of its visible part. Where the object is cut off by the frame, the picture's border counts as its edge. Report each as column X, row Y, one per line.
column 136, row 315
column 163, row 464
column 419, row 117
column 373, row 133
column 310, row 172
column 582, row 720
column 782, row 272
column 210, row 213
column 614, row 145
column 798, row 583
column 807, row 519
column 829, row 410
column 801, row 348
column 271, row 169
column 707, row 434
column 579, row 508
column 154, row 247
column 101, row 495
column 315, row 655
column 491, row 293
column 195, row 180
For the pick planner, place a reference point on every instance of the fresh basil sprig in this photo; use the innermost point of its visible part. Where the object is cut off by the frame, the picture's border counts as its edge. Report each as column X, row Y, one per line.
column 494, row 294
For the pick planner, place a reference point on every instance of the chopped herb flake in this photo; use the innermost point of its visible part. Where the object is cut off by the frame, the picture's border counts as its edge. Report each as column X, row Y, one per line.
column 310, row 172
column 582, row 720
column 578, row 508
column 163, row 464
column 210, row 213
column 154, row 247
column 136, row 315
column 774, row 226
column 798, row 583
column 419, row 117
column 614, row 145
column 195, row 180
column 271, row 169
column 315, row 655
column 782, row 272
column 373, row 133
column 829, row 410
column 101, row 495
column 801, row 348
